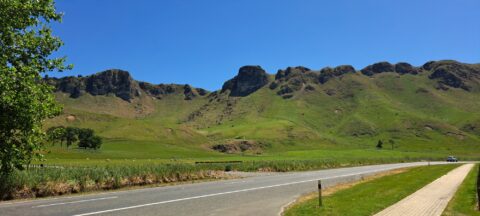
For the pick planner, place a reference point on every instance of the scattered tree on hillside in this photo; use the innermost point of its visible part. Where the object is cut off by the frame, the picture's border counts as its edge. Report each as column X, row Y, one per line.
column 85, row 136
column 87, row 139
column 379, row 144
column 71, row 135
column 392, row 143
column 95, row 142
column 26, row 43
column 56, row 134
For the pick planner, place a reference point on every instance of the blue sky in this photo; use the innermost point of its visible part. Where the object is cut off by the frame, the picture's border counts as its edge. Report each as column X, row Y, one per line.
column 204, row 42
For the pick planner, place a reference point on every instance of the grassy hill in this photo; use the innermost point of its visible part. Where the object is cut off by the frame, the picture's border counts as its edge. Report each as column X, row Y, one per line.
column 294, row 115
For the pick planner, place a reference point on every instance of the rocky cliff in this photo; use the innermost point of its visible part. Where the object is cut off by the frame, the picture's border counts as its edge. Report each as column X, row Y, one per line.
column 446, row 74
column 121, row 84
column 453, row 74
column 248, row 80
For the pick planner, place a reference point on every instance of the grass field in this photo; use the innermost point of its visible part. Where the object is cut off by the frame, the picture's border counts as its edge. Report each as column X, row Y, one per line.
column 312, row 125
column 465, row 200
column 372, row 196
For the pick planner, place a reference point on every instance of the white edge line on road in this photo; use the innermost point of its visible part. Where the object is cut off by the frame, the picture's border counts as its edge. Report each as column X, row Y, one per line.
column 78, row 201
column 235, row 191
column 235, row 182
column 7, row 204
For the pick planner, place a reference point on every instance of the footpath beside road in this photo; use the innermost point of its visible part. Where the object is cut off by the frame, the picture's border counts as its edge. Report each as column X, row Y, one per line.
column 432, row 199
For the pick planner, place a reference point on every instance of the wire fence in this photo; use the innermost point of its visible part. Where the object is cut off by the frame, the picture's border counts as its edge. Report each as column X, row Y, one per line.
column 41, row 166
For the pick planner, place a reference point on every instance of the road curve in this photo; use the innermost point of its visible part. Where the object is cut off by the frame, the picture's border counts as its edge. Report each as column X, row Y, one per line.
column 258, row 195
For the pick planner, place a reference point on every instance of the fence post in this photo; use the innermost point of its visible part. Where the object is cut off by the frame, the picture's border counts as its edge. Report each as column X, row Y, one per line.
column 320, row 193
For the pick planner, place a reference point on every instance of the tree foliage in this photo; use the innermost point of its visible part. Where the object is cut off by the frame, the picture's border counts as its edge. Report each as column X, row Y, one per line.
column 85, row 136
column 56, row 134
column 379, row 144
column 392, row 143
column 70, row 135
column 26, row 43
column 87, row 139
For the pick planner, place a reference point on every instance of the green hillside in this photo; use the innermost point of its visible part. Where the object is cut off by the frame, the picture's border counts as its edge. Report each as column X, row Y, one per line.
column 292, row 115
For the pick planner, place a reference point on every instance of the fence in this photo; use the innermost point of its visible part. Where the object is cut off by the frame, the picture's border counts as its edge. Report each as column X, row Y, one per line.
column 217, row 162
column 40, row 166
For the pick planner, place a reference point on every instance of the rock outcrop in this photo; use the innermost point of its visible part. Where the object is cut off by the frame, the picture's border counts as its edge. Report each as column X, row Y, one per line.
column 158, row 90
column 406, row 68
column 382, row 67
column 294, row 79
column 453, row 74
column 298, row 71
column 162, row 90
column 75, row 86
column 248, row 80
column 328, row 73
column 238, row 146
column 447, row 73
column 117, row 82
column 376, row 68
column 120, row 84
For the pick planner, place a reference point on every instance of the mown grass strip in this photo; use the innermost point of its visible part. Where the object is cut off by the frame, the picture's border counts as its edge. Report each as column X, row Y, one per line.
column 464, row 202
column 373, row 196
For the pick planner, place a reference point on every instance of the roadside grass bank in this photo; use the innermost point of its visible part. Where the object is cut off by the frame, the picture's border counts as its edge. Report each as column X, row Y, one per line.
column 53, row 181
column 465, row 202
column 373, row 196
column 66, row 179
column 342, row 186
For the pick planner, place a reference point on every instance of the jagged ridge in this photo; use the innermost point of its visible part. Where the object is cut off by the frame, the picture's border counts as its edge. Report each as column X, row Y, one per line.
column 121, row 84
column 447, row 73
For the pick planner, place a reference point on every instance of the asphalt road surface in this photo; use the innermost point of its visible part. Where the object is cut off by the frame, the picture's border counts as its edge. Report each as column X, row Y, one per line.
column 258, row 195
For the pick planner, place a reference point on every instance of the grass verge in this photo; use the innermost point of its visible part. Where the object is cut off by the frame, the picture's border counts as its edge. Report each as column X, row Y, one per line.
column 65, row 179
column 370, row 197
column 464, row 202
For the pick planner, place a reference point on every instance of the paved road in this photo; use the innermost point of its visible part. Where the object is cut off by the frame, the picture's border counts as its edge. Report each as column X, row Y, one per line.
column 432, row 199
column 258, row 195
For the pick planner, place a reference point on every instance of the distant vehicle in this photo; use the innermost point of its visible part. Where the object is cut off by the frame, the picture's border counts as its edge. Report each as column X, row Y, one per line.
column 452, row 159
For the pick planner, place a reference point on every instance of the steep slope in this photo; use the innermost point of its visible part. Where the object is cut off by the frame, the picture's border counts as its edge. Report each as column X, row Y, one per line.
column 435, row 108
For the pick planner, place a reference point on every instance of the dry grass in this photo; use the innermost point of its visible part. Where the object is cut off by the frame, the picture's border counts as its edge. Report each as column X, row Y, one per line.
column 56, row 188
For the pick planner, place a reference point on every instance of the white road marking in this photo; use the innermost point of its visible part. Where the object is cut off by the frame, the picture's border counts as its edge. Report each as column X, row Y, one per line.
column 236, row 191
column 235, row 182
column 10, row 203
column 78, row 201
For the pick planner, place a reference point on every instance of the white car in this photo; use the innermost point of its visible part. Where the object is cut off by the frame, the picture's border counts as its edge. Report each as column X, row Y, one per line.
column 452, row 159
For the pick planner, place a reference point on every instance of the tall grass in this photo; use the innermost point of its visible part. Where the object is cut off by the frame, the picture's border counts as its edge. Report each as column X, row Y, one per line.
column 50, row 181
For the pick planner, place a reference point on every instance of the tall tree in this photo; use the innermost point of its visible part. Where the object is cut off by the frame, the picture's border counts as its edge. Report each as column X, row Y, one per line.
column 379, row 144
column 56, row 134
column 84, row 137
column 26, row 43
column 95, row 142
column 71, row 135
column 88, row 139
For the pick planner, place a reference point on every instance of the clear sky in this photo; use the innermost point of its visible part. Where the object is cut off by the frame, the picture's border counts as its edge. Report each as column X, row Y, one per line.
column 204, row 42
